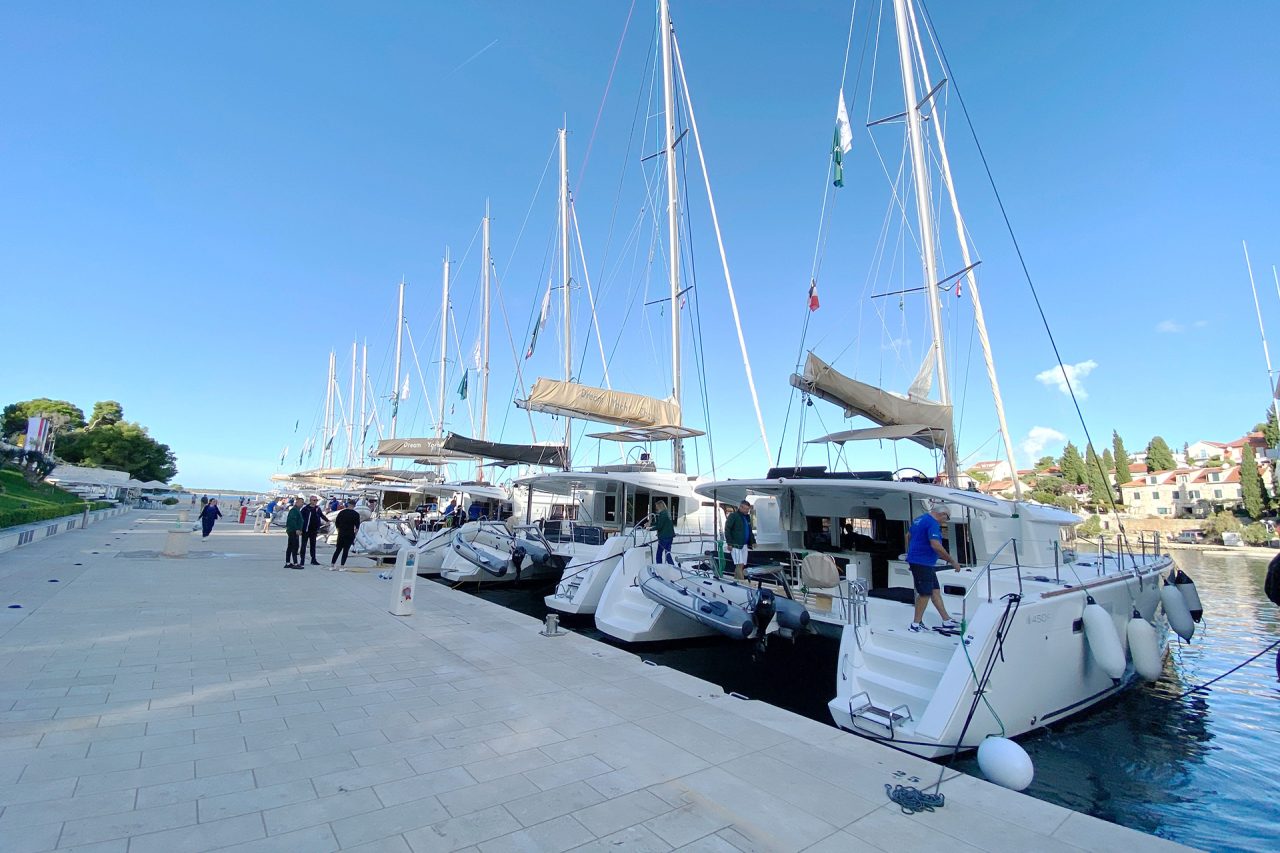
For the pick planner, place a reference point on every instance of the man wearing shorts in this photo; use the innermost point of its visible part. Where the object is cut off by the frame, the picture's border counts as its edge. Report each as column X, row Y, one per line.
column 924, row 547
column 737, row 535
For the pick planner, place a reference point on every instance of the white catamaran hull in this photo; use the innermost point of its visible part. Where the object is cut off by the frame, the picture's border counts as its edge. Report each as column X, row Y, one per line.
column 916, row 690
column 626, row 614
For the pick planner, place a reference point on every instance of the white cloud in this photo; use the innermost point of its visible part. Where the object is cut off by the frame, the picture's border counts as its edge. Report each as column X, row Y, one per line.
column 1038, row 438
column 1059, row 377
column 1169, row 326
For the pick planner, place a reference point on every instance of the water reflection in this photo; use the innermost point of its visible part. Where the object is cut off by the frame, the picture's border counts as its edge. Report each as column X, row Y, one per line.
column 1199, row 768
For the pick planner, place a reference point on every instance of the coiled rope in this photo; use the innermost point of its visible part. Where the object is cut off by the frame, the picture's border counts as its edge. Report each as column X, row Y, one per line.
column 912, row 800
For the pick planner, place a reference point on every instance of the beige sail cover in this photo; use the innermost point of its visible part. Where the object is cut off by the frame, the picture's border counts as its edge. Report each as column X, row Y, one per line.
column 883, row 407
column 414, row 448
column 557, row 397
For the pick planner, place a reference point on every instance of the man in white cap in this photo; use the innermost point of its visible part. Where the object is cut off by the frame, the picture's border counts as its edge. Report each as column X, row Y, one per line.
column 924, row 548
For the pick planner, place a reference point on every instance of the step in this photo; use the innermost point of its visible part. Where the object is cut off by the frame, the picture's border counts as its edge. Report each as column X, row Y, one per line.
column 887, row 692
column 923, row 671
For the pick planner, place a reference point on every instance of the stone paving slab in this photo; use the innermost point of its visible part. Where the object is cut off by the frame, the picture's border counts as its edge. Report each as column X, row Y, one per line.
column 222, row 702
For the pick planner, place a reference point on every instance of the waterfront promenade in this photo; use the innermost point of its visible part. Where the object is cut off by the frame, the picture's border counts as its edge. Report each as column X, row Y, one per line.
column 220, row 701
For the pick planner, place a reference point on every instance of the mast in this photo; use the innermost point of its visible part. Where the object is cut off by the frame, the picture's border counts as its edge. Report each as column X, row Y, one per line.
column 444, row 341
column 351, row 409
column 326, row 449
column 1266, row 353
column 364, row 383
column 673, row 218
column 484, row 351
column 919, row 169
column 395, row 399
column 565, row 269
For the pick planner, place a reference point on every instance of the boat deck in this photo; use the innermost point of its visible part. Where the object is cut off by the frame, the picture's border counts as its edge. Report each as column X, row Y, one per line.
column 222, row 702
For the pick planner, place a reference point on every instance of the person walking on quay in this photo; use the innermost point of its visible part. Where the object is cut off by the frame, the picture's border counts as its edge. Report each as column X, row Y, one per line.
column 312, row 517
column 665, row 530
column 293, row 529
column 739, row 537
column 269, row 513
column 924, row 548
column 208, row 516
column 347, row 522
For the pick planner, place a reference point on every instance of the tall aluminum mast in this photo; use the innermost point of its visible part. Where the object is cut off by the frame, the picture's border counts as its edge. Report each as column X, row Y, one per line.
column 924, row 209
column 673, row 217
column 395, row 400
column 484, row 355
column 444, row 342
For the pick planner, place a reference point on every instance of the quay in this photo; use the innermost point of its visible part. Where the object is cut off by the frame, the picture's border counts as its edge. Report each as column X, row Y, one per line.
column 221, row 702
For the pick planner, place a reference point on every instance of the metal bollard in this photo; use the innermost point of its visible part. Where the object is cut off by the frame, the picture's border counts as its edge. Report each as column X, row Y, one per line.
column 551, row 626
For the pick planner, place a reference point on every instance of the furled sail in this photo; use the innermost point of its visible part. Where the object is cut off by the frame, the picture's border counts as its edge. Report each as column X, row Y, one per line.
column 558, row 397
column 527, row 454
column 930, row 421
column 416, row 448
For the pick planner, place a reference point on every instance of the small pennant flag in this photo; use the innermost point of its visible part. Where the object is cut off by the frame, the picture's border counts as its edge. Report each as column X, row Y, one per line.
column 295, row 425
column 284, row 453
column 404, row 392
column 475, row 355
column 542, row 321
column 462, row 386
column 842, row 142
column 813, row 295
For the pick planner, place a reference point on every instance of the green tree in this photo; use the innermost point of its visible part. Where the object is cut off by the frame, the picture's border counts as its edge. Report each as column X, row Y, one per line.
column 1044, row 463
column 62, row 414
column 1072, row 465
column 1186, row 454
column 1159, row 456
column 1090, row 528
column 1120, row 461
column 1270, row 428
column 1100, row 494
column 120, row 446
column 1220, row 523
column 979, row 476
column 106, row 412
column 1250, row 484
column 1256, row 534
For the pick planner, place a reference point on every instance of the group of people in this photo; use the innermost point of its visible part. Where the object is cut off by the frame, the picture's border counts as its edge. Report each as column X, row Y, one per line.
column 302, row 527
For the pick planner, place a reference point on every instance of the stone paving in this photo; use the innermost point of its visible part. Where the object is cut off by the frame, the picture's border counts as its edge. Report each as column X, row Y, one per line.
column 222, row 702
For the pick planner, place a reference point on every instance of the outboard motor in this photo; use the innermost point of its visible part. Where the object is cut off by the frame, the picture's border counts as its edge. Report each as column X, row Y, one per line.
column 518, row 554
column 763, row 615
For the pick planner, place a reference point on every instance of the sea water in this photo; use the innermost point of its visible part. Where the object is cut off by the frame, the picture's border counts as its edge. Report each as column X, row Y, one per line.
column 1202, row 769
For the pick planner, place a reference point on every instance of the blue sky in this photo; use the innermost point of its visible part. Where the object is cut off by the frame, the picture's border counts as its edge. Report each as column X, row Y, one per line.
column 199, row 201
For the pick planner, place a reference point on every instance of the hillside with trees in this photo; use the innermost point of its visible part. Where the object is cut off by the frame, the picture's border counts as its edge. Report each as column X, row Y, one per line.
column 104, row 440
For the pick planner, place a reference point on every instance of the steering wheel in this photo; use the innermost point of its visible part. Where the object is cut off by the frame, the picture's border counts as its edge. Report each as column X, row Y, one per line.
column 923, row 475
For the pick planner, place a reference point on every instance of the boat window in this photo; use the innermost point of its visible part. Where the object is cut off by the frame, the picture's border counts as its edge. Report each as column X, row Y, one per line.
column 611, row 508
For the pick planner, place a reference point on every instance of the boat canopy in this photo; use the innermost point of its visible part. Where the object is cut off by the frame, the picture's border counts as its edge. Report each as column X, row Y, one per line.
column 929, row 421
column 568, row 482
column 525, row 454
column 481, row 491
column 558, row 397
column 852, row 490
column 915, row 432
column 646, row 434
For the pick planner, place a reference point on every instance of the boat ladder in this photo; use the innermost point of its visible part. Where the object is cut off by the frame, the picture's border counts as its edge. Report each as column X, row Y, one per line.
column 882, row 719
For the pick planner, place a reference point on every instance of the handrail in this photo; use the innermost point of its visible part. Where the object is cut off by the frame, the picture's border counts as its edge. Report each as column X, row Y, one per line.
column 986, row 570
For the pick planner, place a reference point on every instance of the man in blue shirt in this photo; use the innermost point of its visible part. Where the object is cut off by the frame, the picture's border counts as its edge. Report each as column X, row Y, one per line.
column 924, row 547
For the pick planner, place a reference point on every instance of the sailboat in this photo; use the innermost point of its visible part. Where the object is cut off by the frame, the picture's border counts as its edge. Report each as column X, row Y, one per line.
column 1044, row 632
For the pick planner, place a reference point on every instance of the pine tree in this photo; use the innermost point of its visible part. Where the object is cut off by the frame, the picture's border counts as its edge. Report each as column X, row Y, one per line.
column 1159, row 456
column 1097, row 478
column 1250, row 483
column 1271, row 429
column 1072, row 465
column 1121, row 461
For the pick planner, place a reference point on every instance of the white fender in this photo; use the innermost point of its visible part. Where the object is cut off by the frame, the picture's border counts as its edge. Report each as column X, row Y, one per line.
column 1187, row 587
column 1176, row 611
column 1104, row 641
column 1144, row 645
column 1004, row 762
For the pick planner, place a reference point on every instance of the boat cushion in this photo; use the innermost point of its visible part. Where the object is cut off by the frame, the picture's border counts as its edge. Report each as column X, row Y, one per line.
column 905, row 594
column 819, row 571
column 716, row 608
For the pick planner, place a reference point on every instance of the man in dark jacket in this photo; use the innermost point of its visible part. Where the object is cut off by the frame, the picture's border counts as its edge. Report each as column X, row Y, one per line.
column 292, row 527
column 665, row 530
column 738, row 536
column 312, row 517
column 347, row 522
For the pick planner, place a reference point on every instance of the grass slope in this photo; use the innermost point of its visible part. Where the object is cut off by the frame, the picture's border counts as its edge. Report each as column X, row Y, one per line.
column 22, row 503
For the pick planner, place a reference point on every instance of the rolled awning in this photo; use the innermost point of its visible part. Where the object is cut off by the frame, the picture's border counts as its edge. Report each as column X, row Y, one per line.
column 415, row 448
column 569, row 399
column 915, row 432
column 930, row 422
column 553, row 455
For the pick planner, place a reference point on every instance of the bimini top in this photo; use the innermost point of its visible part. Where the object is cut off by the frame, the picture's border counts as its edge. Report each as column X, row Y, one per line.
column 568, row 482
column 416, row 448
column 553, row 455
column 734, row 491
column 928, row 422
column 475, row 491
column 571, row 400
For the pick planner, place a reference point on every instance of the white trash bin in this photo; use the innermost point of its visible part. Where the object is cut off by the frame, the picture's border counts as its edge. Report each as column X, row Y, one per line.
column 406, row 578
column 177, row 543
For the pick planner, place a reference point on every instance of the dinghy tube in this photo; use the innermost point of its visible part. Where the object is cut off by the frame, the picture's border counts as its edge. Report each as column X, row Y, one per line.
column 1187, row 587
column 1104, row 642
column 1176, row 611
column 1144, row 646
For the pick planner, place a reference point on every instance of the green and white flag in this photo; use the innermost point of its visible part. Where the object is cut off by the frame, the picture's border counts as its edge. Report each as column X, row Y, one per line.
column 542, row 321
column 462, row 386
column 842, row 141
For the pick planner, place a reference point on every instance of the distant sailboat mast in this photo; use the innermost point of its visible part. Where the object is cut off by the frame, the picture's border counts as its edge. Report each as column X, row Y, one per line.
column 395, row 399
column 1266, row 353
column 565, row 270
column 484, row 338
column 673, row 219
column 326, row 449
column 444, row 342
column 351, row 410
